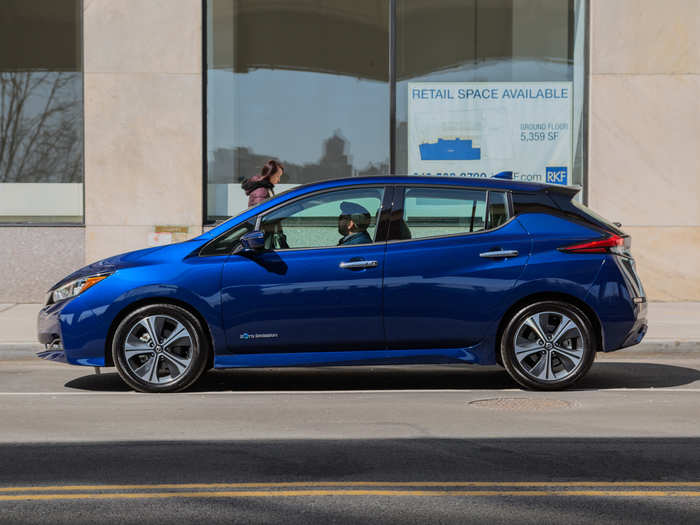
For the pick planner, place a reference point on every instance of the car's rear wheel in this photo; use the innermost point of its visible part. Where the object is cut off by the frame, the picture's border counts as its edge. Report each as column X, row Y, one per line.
column 159, row 348
column 548, row 345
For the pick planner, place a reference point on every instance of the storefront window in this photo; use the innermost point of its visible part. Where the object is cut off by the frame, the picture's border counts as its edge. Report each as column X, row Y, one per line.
column 458, row 87
column 485, row 86
column 304, row 82
column 41, row 112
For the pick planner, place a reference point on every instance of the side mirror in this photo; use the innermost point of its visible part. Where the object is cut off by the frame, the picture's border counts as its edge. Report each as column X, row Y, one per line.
column 253, row 242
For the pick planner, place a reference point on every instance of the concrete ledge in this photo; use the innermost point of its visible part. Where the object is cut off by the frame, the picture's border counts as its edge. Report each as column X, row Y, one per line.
column 19, row 351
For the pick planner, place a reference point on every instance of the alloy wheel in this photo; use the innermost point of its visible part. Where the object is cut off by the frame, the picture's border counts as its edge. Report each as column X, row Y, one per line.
column 549, row 346
column 158, row 349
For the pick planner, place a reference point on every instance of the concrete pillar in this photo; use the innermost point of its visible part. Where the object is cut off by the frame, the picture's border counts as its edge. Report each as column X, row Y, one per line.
column 644, row 126
column 143, row 122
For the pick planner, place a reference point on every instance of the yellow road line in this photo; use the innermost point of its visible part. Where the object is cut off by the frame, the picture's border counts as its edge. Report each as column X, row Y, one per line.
column 318, row 493
column 185, row 486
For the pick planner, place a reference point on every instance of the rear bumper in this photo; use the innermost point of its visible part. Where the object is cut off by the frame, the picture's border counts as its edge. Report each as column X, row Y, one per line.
column 639, row 328
column 620, row 306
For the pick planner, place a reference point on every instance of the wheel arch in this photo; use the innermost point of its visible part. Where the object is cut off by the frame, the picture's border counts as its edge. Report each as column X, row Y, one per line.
column 157, row 300
column 549, row 296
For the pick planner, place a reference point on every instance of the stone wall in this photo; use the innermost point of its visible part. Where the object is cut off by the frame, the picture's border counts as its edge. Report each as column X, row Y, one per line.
column 644, row 131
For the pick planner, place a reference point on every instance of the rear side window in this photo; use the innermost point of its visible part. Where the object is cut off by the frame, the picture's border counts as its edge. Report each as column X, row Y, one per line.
column 432, row 212
column 498, row 209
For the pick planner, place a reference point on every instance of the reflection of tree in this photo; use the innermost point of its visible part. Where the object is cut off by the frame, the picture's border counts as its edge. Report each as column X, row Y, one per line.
column 40, row 127
column 231, row 165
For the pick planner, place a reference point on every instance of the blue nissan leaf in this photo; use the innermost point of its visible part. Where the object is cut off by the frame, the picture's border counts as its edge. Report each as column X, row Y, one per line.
column 365, row 270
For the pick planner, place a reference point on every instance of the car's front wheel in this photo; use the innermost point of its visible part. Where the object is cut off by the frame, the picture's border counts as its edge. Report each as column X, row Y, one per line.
column 548, row 345
column 159, row 348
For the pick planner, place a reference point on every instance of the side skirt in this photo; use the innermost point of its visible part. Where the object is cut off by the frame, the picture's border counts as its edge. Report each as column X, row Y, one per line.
column 470, row 355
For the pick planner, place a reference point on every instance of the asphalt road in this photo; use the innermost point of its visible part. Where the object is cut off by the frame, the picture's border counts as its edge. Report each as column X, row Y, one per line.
column 339, row 445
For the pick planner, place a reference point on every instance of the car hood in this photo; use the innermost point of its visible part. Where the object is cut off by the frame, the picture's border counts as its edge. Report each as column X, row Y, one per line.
column 136, row 258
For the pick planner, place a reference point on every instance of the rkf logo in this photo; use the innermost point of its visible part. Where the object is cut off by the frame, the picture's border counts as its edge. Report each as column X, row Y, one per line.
column 556, row 175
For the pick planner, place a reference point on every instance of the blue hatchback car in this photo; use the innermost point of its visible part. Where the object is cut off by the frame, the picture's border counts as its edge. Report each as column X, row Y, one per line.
column 366, row 270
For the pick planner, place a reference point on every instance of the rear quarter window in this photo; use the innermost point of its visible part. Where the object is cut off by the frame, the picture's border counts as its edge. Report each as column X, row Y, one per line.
column 434, row 212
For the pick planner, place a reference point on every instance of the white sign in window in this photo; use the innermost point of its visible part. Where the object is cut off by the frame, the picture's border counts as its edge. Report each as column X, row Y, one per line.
column 479, row 129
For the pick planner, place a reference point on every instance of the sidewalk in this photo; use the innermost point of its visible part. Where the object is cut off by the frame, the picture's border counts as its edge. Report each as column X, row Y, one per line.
column 672, row 327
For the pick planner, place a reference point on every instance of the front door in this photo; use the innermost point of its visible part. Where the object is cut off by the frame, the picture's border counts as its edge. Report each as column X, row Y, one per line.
column 317, row 286
column 451, row 256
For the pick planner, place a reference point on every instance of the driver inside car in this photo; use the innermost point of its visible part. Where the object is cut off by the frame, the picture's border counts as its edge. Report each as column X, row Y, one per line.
column 353, row 223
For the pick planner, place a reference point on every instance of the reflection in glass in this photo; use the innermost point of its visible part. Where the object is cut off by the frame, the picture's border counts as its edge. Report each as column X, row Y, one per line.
column 40, row 121
column 301, row 81
column 41, row 114
column 490, row 41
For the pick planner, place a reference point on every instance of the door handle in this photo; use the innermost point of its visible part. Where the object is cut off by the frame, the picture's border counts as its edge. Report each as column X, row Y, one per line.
column 358, row 265
column 499, row 254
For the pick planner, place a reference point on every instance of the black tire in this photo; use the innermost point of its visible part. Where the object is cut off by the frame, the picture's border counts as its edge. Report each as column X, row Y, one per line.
column 191, row 348
column 556, row 359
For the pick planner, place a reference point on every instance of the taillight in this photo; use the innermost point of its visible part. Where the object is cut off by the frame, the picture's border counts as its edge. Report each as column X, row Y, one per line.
column 612, row 244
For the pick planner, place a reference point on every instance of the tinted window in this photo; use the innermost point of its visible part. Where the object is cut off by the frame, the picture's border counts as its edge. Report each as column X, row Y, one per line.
column 498, row 209
column 430, row 212
column 344, row 217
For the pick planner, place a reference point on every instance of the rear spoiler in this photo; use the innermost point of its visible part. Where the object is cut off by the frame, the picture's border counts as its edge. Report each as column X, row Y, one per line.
column 568, row 191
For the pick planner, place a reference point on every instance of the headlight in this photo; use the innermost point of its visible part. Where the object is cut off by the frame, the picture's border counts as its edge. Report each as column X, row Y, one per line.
column 76, row 287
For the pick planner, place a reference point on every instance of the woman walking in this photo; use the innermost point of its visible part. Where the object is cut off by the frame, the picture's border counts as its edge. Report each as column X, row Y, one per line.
column 261, row 187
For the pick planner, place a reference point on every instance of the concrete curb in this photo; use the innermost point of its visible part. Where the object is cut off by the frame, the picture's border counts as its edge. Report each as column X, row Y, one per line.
column 24, row 351
column 19, row 351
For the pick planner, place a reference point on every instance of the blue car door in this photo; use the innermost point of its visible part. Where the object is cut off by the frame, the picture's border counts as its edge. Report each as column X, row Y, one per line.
column 451, row 256
column 314, row 288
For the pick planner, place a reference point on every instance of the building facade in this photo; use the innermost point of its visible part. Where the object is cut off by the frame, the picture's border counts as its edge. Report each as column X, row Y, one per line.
column 129, row 123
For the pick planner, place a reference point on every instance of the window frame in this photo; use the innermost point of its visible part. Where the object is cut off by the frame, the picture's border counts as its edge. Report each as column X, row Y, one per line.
column 397, row 212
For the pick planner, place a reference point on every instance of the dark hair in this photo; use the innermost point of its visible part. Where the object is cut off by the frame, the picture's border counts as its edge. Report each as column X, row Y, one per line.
column 270, row 168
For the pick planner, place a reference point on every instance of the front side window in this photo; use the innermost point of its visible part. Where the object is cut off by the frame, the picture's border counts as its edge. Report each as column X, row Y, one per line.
column 336, row 218
column 434, row 212
column 226, row 243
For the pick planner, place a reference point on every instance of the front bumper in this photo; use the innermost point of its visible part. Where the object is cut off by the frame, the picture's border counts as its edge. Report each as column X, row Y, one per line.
column 49, row 333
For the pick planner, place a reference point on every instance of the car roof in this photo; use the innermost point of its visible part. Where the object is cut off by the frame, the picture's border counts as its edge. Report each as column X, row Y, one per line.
column 472, row 182
column 467, row 182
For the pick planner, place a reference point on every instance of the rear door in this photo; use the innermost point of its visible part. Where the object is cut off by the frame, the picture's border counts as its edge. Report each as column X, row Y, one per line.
column 451, row 255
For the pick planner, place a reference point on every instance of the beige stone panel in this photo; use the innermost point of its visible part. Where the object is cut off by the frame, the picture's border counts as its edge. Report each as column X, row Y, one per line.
column 143, row 149
column 158, row 36
column 668, row 261
column 19, row 323
column 105, row 241
column 644, row 155
column 645, row 36
column 40, row 256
